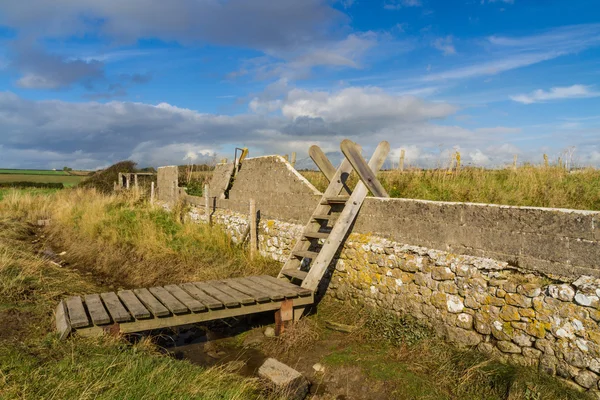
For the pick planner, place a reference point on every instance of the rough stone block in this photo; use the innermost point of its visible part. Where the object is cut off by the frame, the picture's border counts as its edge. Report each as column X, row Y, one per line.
column 284, row 380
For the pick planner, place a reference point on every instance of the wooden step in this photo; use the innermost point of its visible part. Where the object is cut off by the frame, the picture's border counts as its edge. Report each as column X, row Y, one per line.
column 306, row 254
column 316, row 235
column 295, row 273
column 324, row 217
column 335, row 200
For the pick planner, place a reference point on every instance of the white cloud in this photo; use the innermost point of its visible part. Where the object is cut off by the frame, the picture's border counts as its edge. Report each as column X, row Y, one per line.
column 398, row 4
column 360, row 104
column 498, row 130
column 508, row 53
column 556, row 93
column 445, row 45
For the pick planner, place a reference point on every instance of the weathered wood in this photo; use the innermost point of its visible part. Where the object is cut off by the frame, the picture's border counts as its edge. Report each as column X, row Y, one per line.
column 287, row 285
column 63, row 327
column 239, row 296
column 295, row 273
column 275, row 296
column 207, row 210
column 347, row 216
column 322, row 162
column 365, row 173
column 152, row 192
column 316, row 235
column 151, row 303
column 181, row 295
column 326, row 217
column 224, row 298
column 133, row 304
column 168, row 300
column 199, row 295
column 192, row 318
column 240, row 287
column 305, row 254
column 335, row 200
column 340, row 327
column 337, row 184
column 96, row 309
column 77, row 315
column 286, row 292
column 115, row 308
column 253, row 229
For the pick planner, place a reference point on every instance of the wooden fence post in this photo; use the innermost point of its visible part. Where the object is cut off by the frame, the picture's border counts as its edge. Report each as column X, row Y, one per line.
column 152, row 193
column 293, row 160
column 252, row 222
column 401, row 164
column 515, row 162
column 207, row 203
column 135, row 180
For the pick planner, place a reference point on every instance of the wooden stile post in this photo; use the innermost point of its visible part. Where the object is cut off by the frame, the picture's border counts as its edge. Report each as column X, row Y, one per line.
column 252, row 223
column 401, row 164
column 152, row 193
column 207, row 203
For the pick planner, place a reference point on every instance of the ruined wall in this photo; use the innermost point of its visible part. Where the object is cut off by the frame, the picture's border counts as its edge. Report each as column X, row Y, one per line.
column 504, row 311
column 167, row 180
column 520, row 283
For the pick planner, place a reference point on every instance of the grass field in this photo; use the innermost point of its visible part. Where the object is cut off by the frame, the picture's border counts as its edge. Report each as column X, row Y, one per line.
column 67, row 180
column 32, row 172
column 527, row 186
column 121, row 241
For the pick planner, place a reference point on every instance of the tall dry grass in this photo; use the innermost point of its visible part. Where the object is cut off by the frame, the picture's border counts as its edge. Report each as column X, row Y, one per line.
column 526, row 186
column 129, row 243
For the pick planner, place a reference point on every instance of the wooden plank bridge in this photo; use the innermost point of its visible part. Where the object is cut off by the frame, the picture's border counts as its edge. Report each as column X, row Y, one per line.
column 138, row 310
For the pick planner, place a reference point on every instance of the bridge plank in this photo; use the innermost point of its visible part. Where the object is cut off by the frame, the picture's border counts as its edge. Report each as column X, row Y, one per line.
column 181, row 295
column 240, row 287
column 198, row 294
column 77, row 313
column 133, row 304
column 275, row 296
column 287, row 293
column 217, row 294
column 239, row 296
column 151, row 303
column 96, row 309
column 290, row 286
column 174, row 305
column 115, row 308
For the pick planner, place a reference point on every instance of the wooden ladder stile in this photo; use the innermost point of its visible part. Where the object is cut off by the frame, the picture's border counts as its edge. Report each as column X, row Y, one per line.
column 339, row 210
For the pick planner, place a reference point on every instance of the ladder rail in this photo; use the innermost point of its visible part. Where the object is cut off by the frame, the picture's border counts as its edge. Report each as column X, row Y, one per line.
column 320, row 264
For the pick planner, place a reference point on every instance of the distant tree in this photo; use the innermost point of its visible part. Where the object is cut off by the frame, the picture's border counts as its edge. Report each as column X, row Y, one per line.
column 67, row 169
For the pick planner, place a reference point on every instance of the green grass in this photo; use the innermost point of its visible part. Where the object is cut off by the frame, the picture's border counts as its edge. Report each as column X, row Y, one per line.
column 32, row 191
column 526, row 186
column 34, row 364
column 67, row 180
column 32, row 172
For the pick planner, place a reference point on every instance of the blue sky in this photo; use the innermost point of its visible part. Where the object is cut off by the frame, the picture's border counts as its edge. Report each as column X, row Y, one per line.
column 86, row 83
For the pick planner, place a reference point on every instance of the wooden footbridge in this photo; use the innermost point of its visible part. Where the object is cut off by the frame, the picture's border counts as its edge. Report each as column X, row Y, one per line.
column 138, row 310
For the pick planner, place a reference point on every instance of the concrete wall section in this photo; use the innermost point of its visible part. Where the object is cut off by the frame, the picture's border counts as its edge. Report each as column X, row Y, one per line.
column 552, row 241
column 167, row 184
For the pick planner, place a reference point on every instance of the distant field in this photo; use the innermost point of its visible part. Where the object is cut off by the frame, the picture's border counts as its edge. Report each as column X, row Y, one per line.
column 32, row 172
column 5, row 192
column 67, row 180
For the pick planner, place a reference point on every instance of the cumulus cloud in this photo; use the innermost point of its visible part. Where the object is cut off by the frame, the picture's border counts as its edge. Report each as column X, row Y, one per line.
column 55, row 133
column 556, row 93
column 41, row 70
column 257, row 24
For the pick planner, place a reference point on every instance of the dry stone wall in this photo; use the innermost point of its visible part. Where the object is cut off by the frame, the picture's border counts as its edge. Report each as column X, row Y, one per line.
column 504, row 311
column 519, row 283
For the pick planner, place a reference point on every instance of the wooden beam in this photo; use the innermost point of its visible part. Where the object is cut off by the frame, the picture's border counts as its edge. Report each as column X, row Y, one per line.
column 366, row 174
column 322, row 162
column 338, row 233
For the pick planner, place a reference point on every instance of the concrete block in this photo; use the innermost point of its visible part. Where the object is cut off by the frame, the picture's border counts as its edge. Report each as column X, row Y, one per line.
column 544, row 247
column 584, row 253
column 284, row 380
column 220, row 179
